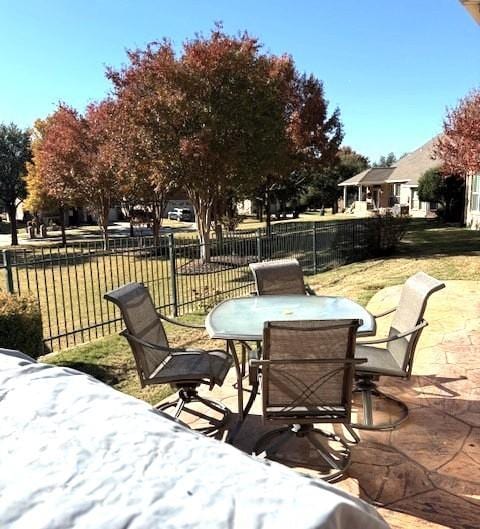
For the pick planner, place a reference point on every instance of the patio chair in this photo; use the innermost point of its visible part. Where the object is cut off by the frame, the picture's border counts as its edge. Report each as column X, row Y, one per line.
column 159, row 363
column 307, row 378
column 397, row 359
column 283, row 276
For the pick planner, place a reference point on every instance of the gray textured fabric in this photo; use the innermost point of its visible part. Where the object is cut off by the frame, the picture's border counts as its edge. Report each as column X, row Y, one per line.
column 193, row 366
column 283, row 276
column 379, row 361
column 76, row 454
column 398, row 358
column 410, row 311
column 313, row 372
column 142, row 321
column 154, row 366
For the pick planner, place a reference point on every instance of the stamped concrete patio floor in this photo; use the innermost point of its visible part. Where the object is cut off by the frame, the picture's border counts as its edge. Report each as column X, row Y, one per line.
column 426, row 473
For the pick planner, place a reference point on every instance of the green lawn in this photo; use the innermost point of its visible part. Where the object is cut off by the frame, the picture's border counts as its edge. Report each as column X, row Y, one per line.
column 446, row 252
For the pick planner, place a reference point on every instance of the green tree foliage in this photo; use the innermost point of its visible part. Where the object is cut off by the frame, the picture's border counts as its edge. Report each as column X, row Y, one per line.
column 323, row 190
column 448, row 191
column 15, row 152
column 385, row 161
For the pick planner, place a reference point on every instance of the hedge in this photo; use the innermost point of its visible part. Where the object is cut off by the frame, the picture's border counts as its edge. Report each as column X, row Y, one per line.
column 20, row 324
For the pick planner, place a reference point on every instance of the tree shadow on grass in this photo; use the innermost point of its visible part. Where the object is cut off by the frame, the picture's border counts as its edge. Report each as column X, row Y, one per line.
column 104, row 373
column 434, row 237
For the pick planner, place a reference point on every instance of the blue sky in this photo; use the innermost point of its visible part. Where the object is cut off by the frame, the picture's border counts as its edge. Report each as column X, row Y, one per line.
column 391, row 66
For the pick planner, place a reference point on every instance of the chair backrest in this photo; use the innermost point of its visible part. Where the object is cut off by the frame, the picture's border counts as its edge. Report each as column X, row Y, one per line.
column 141, row 320
column 283, row 276
column 309, row 370
column 410, row 311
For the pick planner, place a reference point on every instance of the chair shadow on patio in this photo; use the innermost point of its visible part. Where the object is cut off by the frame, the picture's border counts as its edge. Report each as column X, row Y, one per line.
column 424, row 473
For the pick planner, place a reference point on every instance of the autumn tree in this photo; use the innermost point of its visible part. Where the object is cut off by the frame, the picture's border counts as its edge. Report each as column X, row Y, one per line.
column 14, row 154
column 38, row 198
column 98, row 186
column 60, row 157
column 313, row 138
column 212, row 118
column 136, row 168
column 459, row 145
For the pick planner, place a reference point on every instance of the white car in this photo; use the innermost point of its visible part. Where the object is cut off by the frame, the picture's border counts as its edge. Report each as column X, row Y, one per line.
column 183, row 214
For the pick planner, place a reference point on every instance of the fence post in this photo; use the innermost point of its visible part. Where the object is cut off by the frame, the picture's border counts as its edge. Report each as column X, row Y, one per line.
column 7, row 264
column 259, row 245
column 314, row 241
column 173, row 273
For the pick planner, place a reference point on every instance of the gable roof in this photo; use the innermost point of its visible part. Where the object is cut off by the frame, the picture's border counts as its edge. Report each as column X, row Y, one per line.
column 411, row 167
column 372, row 176
column 407, row 170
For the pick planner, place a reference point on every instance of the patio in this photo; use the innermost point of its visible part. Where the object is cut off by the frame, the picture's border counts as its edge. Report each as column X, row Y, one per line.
column 425, row 473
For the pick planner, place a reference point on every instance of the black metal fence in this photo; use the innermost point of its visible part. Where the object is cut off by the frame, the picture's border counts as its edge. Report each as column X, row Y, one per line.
column 69, row 282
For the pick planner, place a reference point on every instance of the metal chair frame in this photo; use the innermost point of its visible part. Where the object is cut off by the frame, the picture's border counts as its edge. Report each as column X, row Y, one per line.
column 185, row 383
column 367, row 374
column 302, row 424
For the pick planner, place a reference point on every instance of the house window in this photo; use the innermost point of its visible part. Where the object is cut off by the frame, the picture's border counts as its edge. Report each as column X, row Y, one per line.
column 475, row 201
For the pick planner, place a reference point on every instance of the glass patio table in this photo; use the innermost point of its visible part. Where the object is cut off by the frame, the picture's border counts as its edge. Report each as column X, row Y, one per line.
column 243, row 319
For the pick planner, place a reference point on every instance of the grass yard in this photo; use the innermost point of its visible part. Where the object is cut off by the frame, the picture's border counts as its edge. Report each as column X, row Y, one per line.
column 443, row 251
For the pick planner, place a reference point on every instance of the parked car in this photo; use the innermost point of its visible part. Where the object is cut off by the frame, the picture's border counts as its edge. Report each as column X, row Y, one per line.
column 183, row 214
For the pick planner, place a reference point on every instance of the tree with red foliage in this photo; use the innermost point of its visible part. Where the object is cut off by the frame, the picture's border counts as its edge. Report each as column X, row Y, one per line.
column 77, row 160
column 61, row 158
column 459, row 145
column 210, row 120
column 313, row 136
column 99, row 186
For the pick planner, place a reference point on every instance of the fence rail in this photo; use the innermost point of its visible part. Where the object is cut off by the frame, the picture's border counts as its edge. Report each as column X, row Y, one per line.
column 69, row 282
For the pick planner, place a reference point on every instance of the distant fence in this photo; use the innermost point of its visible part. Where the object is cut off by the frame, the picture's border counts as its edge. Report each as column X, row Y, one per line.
column 69, row 283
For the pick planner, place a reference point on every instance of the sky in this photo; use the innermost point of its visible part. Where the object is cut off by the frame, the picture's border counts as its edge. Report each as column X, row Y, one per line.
column 392, row 67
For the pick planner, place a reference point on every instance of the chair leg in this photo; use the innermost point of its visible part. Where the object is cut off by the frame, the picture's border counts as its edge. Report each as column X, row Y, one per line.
column 369, row 391
column 352, row 433
column 190, row 395
column 337, row 460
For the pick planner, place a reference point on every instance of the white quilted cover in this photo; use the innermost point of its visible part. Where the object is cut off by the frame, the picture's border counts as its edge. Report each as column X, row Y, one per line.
column 74, row 453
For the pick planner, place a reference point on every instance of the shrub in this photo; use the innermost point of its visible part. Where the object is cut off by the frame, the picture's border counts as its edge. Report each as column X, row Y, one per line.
column 386, row 231
column 20, row 324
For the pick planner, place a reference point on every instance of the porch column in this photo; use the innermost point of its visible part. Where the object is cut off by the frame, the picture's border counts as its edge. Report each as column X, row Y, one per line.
column 359, row 193
column 344, row 197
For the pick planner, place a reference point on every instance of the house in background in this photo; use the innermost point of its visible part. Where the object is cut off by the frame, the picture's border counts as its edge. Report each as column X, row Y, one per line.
column 472, row 183
column 380, row 188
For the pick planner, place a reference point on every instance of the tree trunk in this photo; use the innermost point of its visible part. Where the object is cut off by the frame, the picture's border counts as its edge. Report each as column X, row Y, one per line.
column 156, row 223
column 203, row 214
column 130, row 213
column 12, row 216
column 157, row 208
column 268, row 213
column 259, row 210
column 61, row 213
column 104, row 228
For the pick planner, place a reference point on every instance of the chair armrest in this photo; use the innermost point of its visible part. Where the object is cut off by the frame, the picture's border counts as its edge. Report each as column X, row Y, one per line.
column 382, row 314
column 180, row 323
column 309, row 291
column 387, row 339
column 150, row 345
